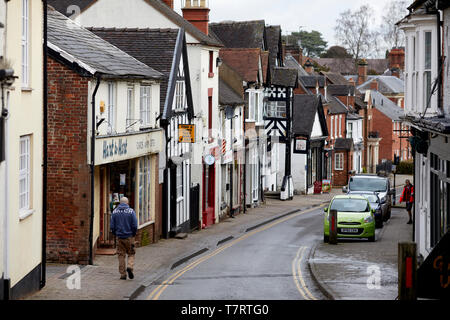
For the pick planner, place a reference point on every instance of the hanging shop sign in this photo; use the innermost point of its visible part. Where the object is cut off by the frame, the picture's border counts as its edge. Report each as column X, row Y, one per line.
column 125, row 147
column 209, row 159
column 301, row 145
column 186, row 133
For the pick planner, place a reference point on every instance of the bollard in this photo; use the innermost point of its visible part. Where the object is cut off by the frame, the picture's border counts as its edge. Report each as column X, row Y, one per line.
column 407, row 271
column 333, row 226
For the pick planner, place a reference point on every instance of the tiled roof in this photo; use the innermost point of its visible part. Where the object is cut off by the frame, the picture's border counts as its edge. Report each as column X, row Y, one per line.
column 273, row 38
column 62, row 5
column 291, row 62
column 386, row 84
column 386, row 106
column 340, row 89
column 154, row 47
column 310, row 81
column 242, row 34
column 244, row 61
column 346, row 66
column 227, row 96
column 335, row 106
column 78, row 45
column 335, row 78
column 343, row 144
column 284, row 77
column 305, row 108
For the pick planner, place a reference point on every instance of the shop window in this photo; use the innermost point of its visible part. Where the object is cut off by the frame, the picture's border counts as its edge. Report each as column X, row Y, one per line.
column 145, row 183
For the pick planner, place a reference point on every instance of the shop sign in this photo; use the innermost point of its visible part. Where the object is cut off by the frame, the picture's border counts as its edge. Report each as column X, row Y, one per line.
column 301, row 145
column 209, row 159
column 186, row 133
column 113, row 149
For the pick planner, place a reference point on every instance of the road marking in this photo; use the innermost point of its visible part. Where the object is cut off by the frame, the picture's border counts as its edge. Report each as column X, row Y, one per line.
column 156, row 293
column 297, row 275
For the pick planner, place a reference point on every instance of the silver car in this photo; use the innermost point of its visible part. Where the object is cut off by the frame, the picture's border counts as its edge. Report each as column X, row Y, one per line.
column 373, row 183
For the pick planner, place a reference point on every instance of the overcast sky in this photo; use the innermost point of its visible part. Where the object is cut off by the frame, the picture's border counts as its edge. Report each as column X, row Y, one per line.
column 310, row 15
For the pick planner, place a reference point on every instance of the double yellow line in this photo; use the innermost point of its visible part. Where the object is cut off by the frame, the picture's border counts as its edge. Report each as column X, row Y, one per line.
column 297, row 275
column 156, row 293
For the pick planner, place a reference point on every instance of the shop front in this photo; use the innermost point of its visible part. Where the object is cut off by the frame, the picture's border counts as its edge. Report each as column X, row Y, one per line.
column 127, row 166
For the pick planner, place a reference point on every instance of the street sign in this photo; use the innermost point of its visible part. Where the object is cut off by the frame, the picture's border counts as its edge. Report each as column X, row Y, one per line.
column 186, row 133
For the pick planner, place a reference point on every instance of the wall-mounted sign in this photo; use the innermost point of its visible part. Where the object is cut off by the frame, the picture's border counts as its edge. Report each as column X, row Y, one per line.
column 209, row 159
column 119, row 148
column 301, row 145
column 186, row 133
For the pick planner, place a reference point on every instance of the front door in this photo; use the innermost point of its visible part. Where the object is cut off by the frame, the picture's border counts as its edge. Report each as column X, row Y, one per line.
column 209, row 192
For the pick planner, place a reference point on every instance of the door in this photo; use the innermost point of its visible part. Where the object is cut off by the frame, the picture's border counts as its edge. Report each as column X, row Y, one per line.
column 209, row 192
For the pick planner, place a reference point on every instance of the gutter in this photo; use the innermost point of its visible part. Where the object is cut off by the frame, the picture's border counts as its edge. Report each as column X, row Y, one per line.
column 45, row 157
column 93, row 123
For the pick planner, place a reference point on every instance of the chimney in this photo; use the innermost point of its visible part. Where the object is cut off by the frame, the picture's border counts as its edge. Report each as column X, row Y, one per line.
column 397, row 59
column 395, row 71
column 296, row 52
column 362, row 71
column 309, row 67
column 169, row 3
column 374, row 85
column 197, row 13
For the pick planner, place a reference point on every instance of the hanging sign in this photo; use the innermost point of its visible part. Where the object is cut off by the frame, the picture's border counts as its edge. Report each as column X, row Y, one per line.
column 186, row 133
column 301, row 145
column 209, row 159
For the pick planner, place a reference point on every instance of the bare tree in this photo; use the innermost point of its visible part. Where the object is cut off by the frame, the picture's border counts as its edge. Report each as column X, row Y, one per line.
column 392, row 35
column 353, row 31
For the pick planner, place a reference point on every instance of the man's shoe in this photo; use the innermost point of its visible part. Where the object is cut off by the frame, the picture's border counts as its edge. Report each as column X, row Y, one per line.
column 123, row 277
column 130, row 273
column 409, row 222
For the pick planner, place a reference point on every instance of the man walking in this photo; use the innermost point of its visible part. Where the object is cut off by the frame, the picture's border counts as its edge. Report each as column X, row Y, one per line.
column 408, row 197
column 124, row 227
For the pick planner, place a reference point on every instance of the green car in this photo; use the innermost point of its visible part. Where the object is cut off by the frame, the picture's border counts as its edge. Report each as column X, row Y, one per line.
column 355, row 218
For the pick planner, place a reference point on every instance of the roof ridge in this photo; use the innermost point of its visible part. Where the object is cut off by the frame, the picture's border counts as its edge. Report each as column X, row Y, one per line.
column 235, row 22
column 162, row 30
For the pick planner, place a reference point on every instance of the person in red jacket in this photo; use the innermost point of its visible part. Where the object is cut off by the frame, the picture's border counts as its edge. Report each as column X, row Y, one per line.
column 408, row 197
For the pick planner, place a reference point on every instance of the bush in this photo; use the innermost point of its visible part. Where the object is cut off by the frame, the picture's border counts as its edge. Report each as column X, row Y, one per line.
column 405, row 167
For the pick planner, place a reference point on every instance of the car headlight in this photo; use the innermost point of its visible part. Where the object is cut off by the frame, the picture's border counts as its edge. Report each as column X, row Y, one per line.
column 368, row 219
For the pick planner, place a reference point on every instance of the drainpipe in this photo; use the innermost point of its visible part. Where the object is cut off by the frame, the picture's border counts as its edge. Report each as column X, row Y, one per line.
column 45, row 161
column 91, row 225
column 440, row 68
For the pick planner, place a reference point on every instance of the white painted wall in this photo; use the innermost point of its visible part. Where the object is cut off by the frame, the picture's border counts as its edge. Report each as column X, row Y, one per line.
column 3, row 185
column 446, row 69
column 24, row 237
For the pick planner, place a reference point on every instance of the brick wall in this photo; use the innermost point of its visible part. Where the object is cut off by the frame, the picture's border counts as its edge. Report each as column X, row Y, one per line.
column 68, row 212
column 384, row 126
column 340, row 177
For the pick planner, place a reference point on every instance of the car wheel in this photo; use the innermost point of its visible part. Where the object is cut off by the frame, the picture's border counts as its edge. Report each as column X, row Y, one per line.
column 372, row 239
column 326, row 239
column 379, row 223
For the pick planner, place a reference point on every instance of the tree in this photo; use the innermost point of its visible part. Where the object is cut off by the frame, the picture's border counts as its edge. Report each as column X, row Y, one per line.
column 336, row 52
column 353, row 31
column 312, row 42
column 392, row 35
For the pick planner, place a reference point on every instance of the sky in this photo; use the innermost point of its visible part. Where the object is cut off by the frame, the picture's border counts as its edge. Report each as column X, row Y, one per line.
column 292, row 15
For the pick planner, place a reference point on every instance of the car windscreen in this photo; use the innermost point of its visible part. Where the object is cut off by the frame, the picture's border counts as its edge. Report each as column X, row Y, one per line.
column 371, row 197
column 350, row 205
column 367, row 184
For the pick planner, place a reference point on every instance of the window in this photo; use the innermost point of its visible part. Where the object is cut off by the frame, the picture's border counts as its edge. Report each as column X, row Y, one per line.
column 427, row 72
column 339, row 161
column 350, row 131
column 25, row 42
column 331, row 131
column 340, row 126
column 145, row 183
column 335, row 126
column 276, row 109
column 211, row 64
column 251, row 106
column 130, row 106
column 145, row 105
column 210, row 119
column 179, row 177
column 24, row 174
column 180, row 100
column 111, row 107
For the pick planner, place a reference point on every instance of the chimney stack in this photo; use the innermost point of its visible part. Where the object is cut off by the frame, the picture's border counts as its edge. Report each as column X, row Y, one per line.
column 197, row 13
column 296, row 52
column 309, row 67
column 362, row 71
column 374, row 85
column 169, row 3
column 397, row 59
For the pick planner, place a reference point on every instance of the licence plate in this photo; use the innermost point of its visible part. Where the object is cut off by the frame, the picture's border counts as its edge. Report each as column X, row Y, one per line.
column 348, row 230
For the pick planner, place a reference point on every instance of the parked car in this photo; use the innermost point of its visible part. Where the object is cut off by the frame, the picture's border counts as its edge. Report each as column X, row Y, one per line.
column 375, row 203
column 355, row 218
column 373, row 183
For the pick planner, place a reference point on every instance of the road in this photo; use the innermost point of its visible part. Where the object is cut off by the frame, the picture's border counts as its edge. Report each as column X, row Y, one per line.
column 268, row 263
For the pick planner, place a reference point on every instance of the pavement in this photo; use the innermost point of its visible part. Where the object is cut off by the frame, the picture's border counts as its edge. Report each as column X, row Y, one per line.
column 330, row 265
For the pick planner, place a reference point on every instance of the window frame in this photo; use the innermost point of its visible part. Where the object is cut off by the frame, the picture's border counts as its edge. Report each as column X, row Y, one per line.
column 339, row 161
column 145, row 188
column 25, row 43
column 145, row 98
column 25, row 173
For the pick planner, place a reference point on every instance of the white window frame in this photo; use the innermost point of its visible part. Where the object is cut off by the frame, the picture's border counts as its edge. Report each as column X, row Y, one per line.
column 340, row 126
column 180, row 96
column 25, row 176
column 251, row 106
column 111, row 107
column 339, row 161
column 25, row 43
column 145, row 215
column 145, row 105
column 332, row 127
column 130, row 107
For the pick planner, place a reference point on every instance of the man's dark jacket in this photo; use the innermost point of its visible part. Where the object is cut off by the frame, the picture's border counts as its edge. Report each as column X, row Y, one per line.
column 124, row 222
